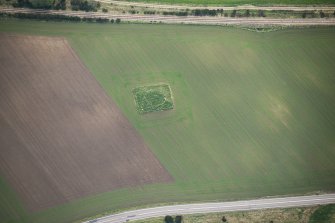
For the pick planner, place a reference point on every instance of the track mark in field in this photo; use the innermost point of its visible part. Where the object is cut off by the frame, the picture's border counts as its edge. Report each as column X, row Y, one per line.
column 280, row 111
column 274, row 113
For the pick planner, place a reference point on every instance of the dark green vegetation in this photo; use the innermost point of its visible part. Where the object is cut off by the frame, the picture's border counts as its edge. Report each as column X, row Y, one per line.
column 40, row 4
column 323, row 214
column 56, row 17
column 84, row 5
column 171, row 219
column 153, row 98
column 247, row 13
column 253, row 112
column 241, row 2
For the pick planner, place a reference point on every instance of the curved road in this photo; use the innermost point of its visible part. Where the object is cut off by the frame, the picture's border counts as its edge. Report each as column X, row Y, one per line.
column 203, row 20
column 247, row 205
column 241, row 7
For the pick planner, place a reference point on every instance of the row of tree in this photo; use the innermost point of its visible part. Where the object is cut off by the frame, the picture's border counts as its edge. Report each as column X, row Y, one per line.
column 169, row 219
column 41, row 4
column 208, row 12
column 56, row 17
column 83, row 5
column 177, row 13
column 179, row 219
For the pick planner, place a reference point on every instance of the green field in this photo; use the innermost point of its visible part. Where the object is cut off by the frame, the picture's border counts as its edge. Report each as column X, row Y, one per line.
column 153, row 98
column 254, row 113
column 242, row 2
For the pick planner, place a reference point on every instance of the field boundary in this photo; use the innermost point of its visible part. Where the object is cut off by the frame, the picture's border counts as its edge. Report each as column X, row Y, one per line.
column 239, row 7
column 167, row 19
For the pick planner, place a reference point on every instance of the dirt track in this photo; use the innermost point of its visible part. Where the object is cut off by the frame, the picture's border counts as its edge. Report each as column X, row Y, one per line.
column 61, row 136
column 201, row 20
column 241, row 7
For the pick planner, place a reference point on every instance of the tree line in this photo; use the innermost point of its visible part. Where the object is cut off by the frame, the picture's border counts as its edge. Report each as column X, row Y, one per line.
column 76, row 5
column 177, row 219
column 85, row 5
column 214, row 12
column 41, row 4
column 56, row 17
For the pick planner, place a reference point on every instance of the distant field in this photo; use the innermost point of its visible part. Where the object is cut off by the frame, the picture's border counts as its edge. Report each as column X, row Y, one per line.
column 253, row 112
column 242, row 2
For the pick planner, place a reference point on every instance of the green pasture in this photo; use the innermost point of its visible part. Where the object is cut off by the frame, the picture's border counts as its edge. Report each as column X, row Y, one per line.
column 242, row 2
column 254, row 113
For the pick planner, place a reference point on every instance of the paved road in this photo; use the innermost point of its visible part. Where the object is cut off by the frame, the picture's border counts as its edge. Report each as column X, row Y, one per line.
column 241, row 7
column 204, row 20
column 246, row 205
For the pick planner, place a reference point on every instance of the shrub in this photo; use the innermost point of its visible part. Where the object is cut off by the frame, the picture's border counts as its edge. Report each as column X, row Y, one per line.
column 41, row 4
column 45, row 17
column 102, row 20
column 247, row 13
column 261, row 13
column 204, row 12
column 178, row 13
column 178, row 219
column 149, row 12
column 88, row 19
column 84, row 5
column 322, row 14
column 233, row 13
column 168, row 219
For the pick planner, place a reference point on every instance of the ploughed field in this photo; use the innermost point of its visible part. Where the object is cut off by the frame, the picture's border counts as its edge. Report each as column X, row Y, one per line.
column 62, row 137
column 253, row 113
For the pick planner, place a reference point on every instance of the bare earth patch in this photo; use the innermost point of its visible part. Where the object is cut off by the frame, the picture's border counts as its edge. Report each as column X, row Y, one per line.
column 61, row 136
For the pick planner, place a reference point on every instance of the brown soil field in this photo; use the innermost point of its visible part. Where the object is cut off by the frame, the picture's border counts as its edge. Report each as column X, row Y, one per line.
column 61, row 136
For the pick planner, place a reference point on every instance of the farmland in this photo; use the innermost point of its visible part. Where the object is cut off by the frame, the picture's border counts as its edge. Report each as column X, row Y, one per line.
column 253, row 112
column 61, row 136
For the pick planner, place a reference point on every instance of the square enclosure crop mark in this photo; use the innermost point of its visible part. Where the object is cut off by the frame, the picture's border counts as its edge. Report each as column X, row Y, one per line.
column 153, row 98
